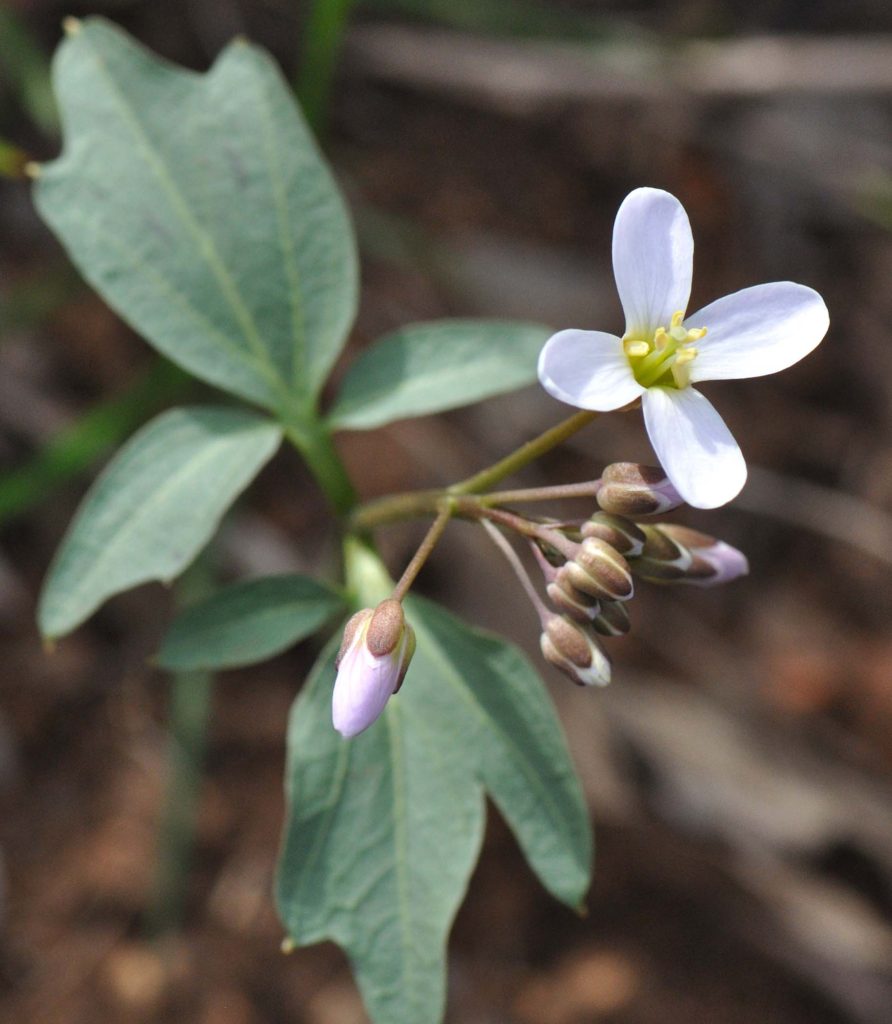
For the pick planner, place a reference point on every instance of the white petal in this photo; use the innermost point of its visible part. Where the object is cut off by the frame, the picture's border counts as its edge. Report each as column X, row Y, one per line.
column 758, row 330
column 588, row 369
column 362, row 688
column 694, row 446
column 653, row 256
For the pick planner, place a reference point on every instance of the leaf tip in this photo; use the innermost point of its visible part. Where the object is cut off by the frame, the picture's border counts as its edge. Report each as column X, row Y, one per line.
column 72, row 26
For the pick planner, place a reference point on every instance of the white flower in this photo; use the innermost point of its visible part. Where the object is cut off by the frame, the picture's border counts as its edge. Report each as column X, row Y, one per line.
column 753, row 332
column 372, row 662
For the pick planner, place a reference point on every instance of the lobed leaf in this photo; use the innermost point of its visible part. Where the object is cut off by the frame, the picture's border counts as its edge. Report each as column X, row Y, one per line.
column 199, row 207
column 383, row 830
column 153, row 508
column 247, row 622
column 429, row 367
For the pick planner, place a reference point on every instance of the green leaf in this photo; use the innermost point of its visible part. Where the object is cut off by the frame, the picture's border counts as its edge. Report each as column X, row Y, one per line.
column 426, row 368
column 385, row 829
column 153, row 508
column 247, row 622
column 202, row 211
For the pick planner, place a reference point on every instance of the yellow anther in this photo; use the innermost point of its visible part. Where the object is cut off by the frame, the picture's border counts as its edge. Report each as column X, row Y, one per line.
column 685, row 355
column 634, row 347
column 661, row 339
column 677, row 318
column 696, row 333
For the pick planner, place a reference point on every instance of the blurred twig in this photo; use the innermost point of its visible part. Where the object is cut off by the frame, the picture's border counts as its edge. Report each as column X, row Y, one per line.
column 842, row 517
column 537, row 75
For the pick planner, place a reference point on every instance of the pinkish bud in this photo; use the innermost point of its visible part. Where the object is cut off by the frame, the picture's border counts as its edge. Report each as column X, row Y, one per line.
column 375, row 653
column 714, row 562
column 629, row 489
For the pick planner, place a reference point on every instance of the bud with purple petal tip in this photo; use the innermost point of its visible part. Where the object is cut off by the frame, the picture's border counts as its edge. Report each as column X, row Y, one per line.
column 714, row 562
column 663, row 559
column 572, row 649
column 375, row 653
column 630, row 489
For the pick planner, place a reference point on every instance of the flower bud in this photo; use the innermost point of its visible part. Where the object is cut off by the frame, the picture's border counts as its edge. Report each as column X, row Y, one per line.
column 617, row 531
column 612, row 619
column 714, row 562
column 570, row 601
column 661, row 558
column 573, row 650
column 629, row 489
column 601, row 571
column 375, row 653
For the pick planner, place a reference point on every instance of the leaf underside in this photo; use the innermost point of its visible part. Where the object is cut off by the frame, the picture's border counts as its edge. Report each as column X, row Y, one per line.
column 153, row 508
column 247, row 622
column 430, row 367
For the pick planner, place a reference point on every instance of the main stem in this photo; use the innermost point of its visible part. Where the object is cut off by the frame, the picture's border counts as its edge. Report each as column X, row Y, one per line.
column 415, row 504
column 524, row 455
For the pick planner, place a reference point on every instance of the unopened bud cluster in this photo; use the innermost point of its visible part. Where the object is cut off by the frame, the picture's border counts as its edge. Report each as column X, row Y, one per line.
column 589, row 589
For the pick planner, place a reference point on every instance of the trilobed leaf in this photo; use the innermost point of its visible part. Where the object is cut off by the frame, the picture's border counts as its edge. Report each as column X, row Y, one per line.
column 199, row 207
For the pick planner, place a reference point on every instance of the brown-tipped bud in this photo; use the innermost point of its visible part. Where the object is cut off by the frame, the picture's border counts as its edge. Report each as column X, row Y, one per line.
column 713, row 561
column 375, row 653
column 570, row 601
column 601, row 571
column 629, row 489
column 574, row 650
column 612, row 619
column 617, row 531
column 661, row 558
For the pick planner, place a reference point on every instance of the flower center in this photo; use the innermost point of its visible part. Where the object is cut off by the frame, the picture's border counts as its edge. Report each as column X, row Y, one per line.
column 665, row 359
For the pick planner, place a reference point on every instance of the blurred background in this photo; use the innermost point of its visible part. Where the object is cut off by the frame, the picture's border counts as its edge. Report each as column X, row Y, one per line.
column 739, row 767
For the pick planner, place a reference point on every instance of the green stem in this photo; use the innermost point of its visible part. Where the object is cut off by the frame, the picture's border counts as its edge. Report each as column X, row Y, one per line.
column 313, row 440
column 324, row 35
column 415, row 504
column 190, row 701
column 423, row 553
column 524, row 455
column 190, row 705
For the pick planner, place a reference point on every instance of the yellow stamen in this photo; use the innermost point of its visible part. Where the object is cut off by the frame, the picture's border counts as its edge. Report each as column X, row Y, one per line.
column 633, row 347
column 685, row 355
column 677, row 318
column 661, row 339
column 696, row 333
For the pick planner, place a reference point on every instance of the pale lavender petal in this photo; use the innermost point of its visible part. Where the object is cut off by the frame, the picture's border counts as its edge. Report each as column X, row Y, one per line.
column 588, row 369
column 727, row 561
column 758, row 330
column 694, row 446
column 362, row 688
column 653, row 258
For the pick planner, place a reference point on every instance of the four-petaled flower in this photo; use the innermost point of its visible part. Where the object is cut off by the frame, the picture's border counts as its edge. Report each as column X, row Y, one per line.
column 750, row 333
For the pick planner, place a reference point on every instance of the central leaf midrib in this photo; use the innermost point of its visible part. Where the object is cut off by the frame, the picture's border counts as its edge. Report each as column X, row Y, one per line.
column 206, row 246
column 434, row 651
column 148, row 507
